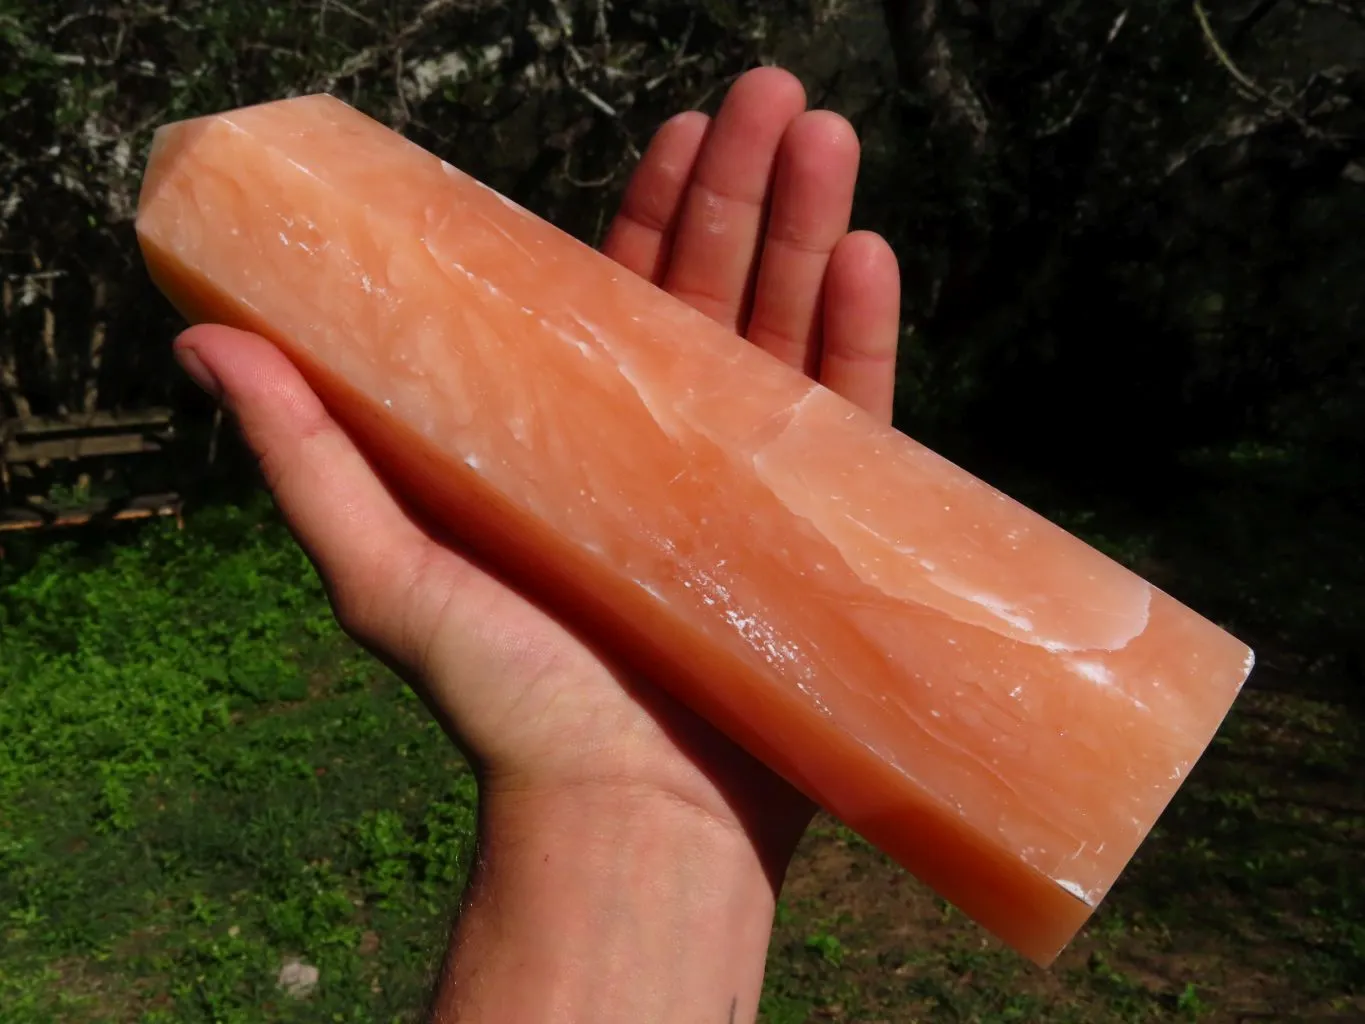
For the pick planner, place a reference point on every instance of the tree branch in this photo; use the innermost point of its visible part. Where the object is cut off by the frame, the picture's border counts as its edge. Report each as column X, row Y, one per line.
column 1059, row 126
column 925, row 54
column 1245, row 82
column 1235, row 130
column 1221, row 54
column 366, row 59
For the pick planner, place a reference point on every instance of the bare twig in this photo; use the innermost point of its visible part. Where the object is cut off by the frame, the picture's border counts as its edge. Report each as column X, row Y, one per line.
column 565, row 20
column 664, row 76
column 1235, row 130
column 576, row 58
column 1245, row 81
column 589, row 183
column 600, row 27
column 9, row 368
column 935, row 64
column 592, row 97
column 63, row 23
column 366, row 59
column 680, row 58
column 1224, row 58
column 331, row 5
column 404, row 113
column 1060, row 125
column 43, row 275
column 95, row 354
column 214, row 433
column 49, row 332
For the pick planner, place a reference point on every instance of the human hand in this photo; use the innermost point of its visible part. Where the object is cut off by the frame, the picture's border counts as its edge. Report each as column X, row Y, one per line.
column 745, row 218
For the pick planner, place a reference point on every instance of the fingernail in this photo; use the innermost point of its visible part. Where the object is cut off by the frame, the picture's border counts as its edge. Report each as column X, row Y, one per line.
column 199, row 373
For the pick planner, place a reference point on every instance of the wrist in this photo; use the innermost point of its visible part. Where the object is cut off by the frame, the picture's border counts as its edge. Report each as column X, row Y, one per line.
column 609, row 903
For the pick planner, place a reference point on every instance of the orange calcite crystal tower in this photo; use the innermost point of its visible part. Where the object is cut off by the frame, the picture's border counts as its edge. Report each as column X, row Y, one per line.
column 994, row 703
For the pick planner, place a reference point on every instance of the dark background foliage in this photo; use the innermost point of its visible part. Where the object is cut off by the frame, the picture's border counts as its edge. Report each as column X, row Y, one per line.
column 1133, row 237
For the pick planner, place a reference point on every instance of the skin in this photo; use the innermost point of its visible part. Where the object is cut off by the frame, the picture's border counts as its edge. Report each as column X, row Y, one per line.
column 629, row 855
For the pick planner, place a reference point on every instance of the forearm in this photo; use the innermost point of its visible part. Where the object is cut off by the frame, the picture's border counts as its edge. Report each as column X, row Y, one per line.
column 608, row 907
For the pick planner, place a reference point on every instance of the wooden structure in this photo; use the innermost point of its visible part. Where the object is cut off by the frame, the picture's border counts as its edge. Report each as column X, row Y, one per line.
column 31, row 445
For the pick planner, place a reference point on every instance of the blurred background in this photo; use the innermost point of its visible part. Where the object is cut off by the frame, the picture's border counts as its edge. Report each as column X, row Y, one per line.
column 1133, row 239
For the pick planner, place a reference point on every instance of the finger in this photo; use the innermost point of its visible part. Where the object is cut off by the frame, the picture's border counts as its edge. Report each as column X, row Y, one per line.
column 642, row 233
column 715, row 252
column 862, row 323
column 370, row 554
column 817, row 170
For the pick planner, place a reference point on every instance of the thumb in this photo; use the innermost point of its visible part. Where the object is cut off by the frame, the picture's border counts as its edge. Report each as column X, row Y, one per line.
column 388, row 581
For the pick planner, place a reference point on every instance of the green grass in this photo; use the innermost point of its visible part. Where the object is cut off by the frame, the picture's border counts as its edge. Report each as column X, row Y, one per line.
column 202, row 779
column 1246, row 902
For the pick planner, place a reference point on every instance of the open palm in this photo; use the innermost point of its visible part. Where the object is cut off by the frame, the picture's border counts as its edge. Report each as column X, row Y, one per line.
column 745, row 217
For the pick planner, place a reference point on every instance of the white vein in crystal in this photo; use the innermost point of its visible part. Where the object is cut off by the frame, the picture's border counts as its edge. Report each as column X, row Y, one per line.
column 654, row 408
column 1004, row 611
column 513, row 242
column 1081, row 894
column 888, row 569
column 1100, row 675
column 1092, row 670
